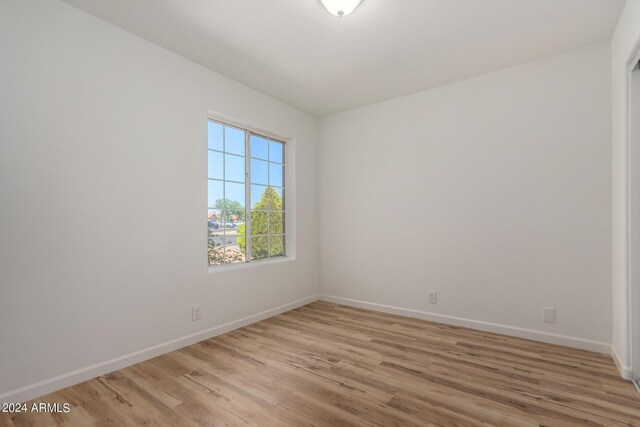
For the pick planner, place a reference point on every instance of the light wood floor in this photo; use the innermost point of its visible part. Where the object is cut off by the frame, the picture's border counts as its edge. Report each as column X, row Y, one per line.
column 326, row 364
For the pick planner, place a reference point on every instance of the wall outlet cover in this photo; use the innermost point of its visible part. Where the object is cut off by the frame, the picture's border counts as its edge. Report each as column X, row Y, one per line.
column 433, row 297
column 195, row 313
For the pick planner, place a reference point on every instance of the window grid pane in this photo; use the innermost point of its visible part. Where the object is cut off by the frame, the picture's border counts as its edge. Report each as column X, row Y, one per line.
column 256, row 195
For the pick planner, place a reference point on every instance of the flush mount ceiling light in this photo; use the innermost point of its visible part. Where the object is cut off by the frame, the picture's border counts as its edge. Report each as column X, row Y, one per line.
column 340, row 8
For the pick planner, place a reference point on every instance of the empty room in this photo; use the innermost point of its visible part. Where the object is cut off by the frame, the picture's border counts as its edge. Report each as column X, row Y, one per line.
column 319, row 213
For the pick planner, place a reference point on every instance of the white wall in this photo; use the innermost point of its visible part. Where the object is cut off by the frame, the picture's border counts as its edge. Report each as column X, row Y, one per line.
column 624, row 44
column 103, row 199
column 494, row 191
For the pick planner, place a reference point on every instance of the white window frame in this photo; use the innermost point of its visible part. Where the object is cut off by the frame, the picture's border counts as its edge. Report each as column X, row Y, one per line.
column 288, row 193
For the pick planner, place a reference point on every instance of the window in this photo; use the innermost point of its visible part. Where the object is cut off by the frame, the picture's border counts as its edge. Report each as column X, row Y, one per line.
column 246, row 210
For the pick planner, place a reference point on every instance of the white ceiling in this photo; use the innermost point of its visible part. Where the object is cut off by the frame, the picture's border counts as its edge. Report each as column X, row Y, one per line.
column 295, row 51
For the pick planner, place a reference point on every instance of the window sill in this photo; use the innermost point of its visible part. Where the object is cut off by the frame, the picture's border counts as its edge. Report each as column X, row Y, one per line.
column 243, row 265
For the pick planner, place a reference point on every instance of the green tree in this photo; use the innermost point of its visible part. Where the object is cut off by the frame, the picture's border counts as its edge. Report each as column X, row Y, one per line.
column 231, row 210
column 266, row 219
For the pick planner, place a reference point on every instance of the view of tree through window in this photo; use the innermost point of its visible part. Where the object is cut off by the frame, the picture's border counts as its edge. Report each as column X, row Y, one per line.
column 246, row 212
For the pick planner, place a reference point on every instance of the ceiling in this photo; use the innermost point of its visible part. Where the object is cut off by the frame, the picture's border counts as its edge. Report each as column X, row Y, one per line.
column 295, row 51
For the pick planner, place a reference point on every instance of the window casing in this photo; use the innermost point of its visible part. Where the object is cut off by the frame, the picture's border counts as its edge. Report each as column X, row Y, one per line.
column 246, row 195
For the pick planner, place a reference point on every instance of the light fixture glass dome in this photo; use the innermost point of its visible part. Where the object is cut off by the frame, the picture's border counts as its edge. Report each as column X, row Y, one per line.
column 340, row 8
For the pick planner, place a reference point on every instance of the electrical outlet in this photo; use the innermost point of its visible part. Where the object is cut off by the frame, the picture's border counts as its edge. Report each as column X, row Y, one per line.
column 433, row 297
column 195, row 313
column 549, row 315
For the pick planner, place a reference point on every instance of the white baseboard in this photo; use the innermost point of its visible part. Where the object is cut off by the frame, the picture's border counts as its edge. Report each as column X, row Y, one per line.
column 625, row 370
column 581, row 343
column 50, row 385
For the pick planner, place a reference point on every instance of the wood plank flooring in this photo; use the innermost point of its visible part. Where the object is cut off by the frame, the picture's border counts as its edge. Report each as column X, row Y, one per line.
column 325, row 364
